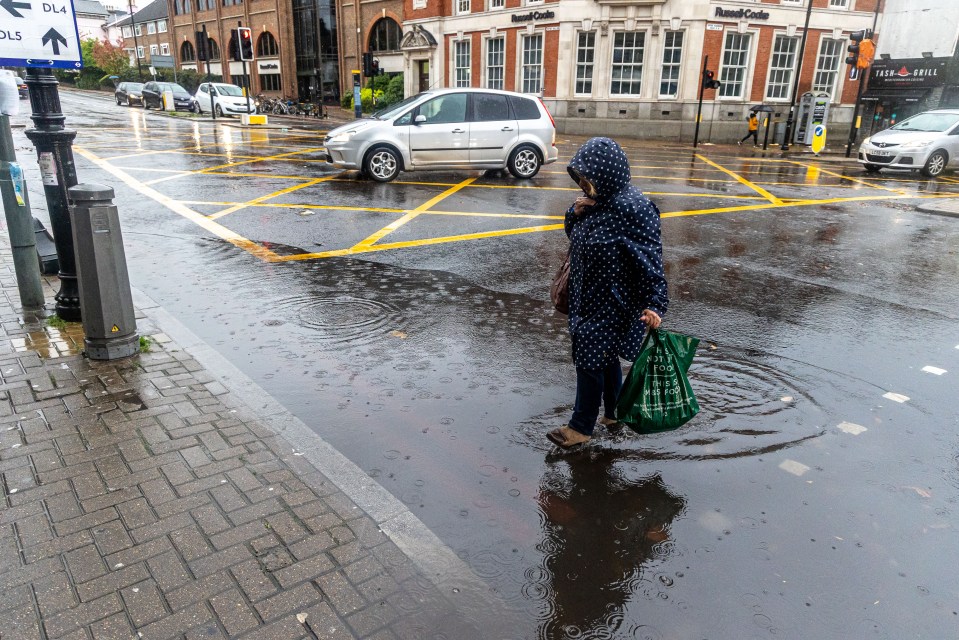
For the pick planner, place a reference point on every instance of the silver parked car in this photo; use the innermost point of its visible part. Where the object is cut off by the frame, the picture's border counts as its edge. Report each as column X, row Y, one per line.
column 448, row 129
column 928, row 141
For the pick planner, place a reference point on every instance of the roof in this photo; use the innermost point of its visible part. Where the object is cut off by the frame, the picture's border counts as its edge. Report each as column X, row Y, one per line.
column 90, row 8
column 156, row 10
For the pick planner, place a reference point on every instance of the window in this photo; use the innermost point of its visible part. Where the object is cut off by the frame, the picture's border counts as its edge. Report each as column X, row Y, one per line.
column 838, row 4
column 214, row 50
column 523, row 108
column 151, row 28
column 827, row 66
column 672, row 58
column 154, row 49
column 419, row 4
column 585, row 50
column 445, row 109
column 497, row 4
column 187, row 52
column 140, row 52
column 137, row 30
column 796, row 2
column 781, row 68
column 461, row 63
column 270, row 82
column 462, row 6
column 161, row 26
column 227, row 3
column 164, row 49
column 385, row 35
column 266, row 46
column 628, row 50
column 495, row 60
column 735, row 58
column 127, row 32
column 533, row 64
column 489, row 107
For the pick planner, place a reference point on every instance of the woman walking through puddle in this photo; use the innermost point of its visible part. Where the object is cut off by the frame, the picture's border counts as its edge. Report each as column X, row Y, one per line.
column 617, row 288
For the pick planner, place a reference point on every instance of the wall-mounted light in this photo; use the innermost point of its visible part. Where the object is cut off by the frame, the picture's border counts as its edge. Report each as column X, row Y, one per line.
column 927, row 54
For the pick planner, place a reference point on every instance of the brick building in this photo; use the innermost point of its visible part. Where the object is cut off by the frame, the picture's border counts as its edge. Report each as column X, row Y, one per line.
column 147, row 34
column 615, row 66
column 303, row 48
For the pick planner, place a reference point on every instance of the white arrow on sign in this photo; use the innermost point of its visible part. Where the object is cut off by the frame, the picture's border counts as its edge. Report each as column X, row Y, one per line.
column 39, row 34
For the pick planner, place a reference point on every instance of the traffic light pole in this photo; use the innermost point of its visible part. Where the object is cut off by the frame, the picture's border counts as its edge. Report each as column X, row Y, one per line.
column 247, row 79
column 209, row 75
column 699, row 109
column 792, row 98
column 854, row 129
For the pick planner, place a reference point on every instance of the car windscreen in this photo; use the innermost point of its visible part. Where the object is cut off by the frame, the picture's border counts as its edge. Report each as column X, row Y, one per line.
column 169, row 86
column 396, row 109
column 928, row 122
column 134, row 86
column 229, row 90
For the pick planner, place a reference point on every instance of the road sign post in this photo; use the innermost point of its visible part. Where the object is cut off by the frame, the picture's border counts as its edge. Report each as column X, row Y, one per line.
column 42, row 36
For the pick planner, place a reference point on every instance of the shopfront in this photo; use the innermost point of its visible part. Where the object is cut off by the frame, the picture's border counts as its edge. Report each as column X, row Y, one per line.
column 899, row 88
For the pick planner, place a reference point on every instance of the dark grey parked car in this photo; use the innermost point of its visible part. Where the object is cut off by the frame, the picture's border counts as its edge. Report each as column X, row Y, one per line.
column 129, row 93
column 22, row 88
column 153, row 96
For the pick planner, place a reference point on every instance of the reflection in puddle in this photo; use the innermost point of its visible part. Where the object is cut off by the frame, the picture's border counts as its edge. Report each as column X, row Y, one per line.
column 603, row 537
column 52, row 342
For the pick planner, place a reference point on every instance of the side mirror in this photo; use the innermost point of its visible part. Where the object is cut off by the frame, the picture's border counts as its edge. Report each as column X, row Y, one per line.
column 420, row 119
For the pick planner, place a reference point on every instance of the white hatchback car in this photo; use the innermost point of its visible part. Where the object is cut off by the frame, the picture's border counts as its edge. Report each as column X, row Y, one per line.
column 927, row 141
column 448, row 129
column 223, row 99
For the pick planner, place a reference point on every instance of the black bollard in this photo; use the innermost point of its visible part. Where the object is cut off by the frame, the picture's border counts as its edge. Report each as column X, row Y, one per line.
column 54, row 144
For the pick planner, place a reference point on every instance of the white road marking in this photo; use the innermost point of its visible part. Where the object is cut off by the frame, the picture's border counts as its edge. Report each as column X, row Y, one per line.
column 793, row 467
column 933, row 370
column 895, row 397
column 851, row 427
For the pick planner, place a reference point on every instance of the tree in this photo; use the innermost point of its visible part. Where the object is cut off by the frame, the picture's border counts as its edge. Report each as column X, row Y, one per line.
column 110, row 57
column 86, row 50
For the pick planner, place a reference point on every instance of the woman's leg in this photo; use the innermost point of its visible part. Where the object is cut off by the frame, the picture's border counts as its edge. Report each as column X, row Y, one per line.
column 612, row 383
column 589, row 393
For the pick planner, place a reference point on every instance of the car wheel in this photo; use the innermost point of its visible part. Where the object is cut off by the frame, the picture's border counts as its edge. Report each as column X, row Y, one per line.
column 119, row 101
column 196, row 108
column 524, row 162
column 936, row 164
column 871, row 168
column 219, row 111
column 382, row 164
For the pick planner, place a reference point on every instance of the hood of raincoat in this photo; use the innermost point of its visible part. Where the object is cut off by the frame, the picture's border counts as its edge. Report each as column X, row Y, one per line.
column 604, row 164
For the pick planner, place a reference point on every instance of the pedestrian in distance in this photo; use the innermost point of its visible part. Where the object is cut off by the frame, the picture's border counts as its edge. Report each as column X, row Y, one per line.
column 753, row 123
column 617, row 287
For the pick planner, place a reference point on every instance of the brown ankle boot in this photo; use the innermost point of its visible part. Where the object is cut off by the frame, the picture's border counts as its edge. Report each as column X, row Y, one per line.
column 566, row 437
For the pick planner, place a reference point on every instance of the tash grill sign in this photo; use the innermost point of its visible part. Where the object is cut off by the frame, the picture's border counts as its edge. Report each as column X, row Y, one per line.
column 908, row 73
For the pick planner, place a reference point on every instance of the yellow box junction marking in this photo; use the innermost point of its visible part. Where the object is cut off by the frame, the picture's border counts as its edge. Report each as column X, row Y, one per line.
column 773, row 199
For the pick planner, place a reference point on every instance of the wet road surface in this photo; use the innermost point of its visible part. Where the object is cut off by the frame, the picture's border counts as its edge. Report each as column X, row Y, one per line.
column 409, row 325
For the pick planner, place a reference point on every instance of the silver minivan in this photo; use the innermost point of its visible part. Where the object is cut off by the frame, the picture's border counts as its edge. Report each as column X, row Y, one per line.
column 448, row 129
column 927, row 141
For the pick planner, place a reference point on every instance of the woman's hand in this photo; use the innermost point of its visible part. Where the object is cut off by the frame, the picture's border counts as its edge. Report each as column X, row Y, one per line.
column 581, row 204
column 651, row 318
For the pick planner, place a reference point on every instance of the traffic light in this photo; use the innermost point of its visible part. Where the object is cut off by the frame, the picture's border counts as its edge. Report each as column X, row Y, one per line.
column 855, row 37
column 368, row 64
column 202, row 48
column 709, row 80
column 245, row 43
column 376, row 67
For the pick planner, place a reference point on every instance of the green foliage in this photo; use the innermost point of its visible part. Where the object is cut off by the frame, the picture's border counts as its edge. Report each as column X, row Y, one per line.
column 56, row 322
column 389, row 90
column 146, row 342
column 110, row 57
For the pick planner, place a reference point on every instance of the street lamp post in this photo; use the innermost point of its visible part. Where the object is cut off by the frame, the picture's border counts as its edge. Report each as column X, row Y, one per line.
column 136, row 43
column 792, row 98
column 54, row 143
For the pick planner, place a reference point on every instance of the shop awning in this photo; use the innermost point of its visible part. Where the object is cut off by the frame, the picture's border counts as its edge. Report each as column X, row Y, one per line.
column 895, row 95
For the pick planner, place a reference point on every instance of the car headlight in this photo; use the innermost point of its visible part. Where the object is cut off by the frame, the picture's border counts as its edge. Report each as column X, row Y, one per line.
column 340, row 138
column 867, row 140
column 918, row 144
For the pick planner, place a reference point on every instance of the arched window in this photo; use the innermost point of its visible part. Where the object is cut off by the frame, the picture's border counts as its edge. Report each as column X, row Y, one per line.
column 266, row 46
column 187, row 52
column 214, row 50
column 385, row 36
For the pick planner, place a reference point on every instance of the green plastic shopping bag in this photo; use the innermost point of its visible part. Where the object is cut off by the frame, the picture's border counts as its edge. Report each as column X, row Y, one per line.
column 656, row 395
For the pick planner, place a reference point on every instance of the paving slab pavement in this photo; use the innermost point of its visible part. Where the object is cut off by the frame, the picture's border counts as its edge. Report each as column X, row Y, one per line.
column 167, row 496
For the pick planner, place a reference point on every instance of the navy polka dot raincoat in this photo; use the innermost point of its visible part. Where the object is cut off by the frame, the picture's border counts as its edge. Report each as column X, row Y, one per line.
column 616, row 260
